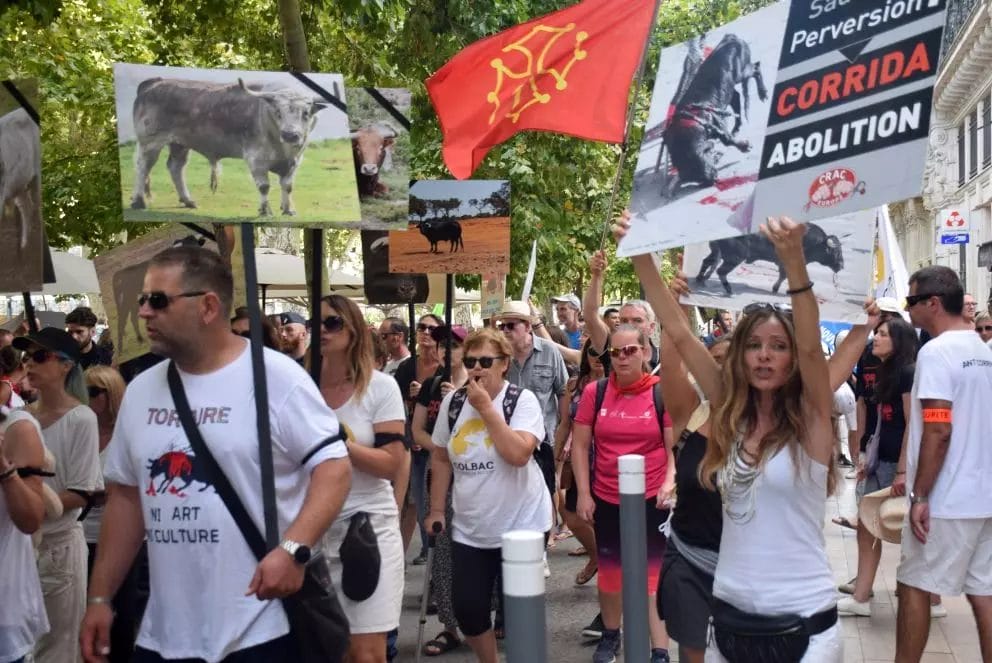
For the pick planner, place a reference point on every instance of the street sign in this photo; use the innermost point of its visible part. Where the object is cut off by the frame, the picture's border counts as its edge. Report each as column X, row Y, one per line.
column 954, row 238
column 953, row 221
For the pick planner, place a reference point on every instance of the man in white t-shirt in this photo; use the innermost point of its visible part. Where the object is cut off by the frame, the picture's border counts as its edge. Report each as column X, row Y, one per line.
column 210, row 597
column 947, row 541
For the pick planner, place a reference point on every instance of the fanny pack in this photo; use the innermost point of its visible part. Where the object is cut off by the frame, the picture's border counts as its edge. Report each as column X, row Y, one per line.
column 360, row 559
column 744, row 637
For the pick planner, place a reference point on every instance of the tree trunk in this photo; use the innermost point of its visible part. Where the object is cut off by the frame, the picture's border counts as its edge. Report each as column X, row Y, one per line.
column 298, row 59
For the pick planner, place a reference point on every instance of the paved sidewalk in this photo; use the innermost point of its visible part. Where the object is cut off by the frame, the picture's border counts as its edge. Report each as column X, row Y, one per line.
column 953, row 639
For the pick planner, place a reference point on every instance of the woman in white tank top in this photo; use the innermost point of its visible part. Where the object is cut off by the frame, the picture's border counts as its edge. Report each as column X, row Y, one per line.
column 771, row 448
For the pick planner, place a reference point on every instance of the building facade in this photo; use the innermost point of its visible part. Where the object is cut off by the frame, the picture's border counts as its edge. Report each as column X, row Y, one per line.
column 958, row 172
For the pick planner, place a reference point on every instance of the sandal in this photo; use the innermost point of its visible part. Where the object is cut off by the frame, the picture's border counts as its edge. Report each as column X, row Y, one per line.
column 442, row 643
column 587, row 573
column 844, row 522
column 578, row 552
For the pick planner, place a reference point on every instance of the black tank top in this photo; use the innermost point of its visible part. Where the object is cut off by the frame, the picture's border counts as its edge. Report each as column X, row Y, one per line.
column 698, row 518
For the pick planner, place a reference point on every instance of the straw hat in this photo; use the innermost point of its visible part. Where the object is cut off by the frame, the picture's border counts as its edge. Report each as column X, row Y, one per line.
column 515, row 310
column 883, row 514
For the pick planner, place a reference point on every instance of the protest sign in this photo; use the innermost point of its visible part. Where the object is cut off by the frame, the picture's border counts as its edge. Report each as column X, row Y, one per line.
column 382, row 287
column 492, row 293
column 456, row 227
column 732, row 272
column 282, row 139
column 380, row 146
column 20, row 187
column 843, row 127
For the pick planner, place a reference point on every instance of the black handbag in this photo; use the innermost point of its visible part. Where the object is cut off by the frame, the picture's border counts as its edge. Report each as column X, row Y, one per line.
column 316, row 620
column 744, row 637
column 360, row 559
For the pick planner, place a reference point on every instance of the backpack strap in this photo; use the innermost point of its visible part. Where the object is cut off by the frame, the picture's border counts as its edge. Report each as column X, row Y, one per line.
column 455, row 407
column 659, row 408
column 601, row 385
column 510, row 401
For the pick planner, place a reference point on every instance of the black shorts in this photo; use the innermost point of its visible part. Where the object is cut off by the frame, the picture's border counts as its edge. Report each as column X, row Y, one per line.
column 683, row 600
column 571, row 498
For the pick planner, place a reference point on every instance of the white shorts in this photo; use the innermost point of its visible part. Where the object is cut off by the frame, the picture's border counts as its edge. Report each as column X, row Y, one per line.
column 826, row 647
column 956, row 559
column 380, row 613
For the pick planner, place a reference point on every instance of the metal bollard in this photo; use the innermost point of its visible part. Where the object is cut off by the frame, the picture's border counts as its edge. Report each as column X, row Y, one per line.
column 523, row 598
column 634, row 559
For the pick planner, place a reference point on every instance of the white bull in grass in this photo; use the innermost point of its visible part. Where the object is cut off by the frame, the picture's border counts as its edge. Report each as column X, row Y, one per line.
column 269, row 129
column 20, row 169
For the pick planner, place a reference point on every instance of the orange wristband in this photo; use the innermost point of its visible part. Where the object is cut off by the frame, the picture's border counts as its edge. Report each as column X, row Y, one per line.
column 937, row 416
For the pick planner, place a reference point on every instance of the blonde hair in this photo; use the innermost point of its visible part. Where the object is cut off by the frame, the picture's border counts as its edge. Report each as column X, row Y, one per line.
column 737, row 414
column 109, row 379
column 361, row 361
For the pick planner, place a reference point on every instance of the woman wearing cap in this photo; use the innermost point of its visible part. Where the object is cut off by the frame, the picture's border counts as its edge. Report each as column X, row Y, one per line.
column 884, row 463
column 370, row 409
column 424, row 420
column 626, row 421
column 69, row 430
column 770, row 450
column 22, row 609
column 497, row 485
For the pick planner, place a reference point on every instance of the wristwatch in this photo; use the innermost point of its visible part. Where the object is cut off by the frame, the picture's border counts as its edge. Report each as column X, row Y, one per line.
column 299, row 552
column 918, row 499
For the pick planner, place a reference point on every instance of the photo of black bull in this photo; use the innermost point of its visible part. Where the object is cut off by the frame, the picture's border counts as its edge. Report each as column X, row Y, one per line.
column 707, row 95
column 727, row 254
column 268, row 128
column 443, row 231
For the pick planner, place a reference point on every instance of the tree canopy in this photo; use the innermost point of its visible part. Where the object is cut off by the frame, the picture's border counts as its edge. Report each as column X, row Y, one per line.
column 560, row 186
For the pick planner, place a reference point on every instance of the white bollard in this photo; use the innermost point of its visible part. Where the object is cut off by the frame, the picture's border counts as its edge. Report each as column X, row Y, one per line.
column 523, row 597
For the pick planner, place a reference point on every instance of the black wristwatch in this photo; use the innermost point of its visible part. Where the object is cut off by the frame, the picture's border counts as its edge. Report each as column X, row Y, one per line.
column 300, row 553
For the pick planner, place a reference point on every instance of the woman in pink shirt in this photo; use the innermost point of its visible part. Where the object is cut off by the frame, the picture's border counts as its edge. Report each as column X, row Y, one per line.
column 626, row 422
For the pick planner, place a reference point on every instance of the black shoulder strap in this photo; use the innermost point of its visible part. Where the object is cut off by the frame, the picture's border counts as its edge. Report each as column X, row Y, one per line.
column 601, row 385
column 206, row 460
column 455, row 407
column 510, row 401
column 659, row 408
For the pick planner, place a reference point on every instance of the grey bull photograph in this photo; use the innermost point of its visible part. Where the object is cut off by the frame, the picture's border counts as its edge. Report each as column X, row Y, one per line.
column 20, row 187
column 732, row 272
column 283, row 146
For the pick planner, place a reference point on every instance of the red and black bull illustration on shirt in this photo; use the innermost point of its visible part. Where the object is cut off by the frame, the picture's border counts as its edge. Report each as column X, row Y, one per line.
column 174, row 467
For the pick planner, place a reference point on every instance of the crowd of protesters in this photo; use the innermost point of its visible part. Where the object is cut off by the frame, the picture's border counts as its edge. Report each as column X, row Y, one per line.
column 115, row 548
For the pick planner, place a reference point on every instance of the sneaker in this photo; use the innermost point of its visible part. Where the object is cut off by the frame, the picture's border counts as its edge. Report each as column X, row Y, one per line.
column 937, row 611
column 851, row 607
column 848, row 587
column 595, row 628
column 547, row 569
column 420, row 559
column 844, row 461
column 608, row 647
column 660, row 656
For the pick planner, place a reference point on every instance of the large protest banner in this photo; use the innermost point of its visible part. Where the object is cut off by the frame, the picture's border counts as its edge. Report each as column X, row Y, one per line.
column 732, row 272
column 843, row 127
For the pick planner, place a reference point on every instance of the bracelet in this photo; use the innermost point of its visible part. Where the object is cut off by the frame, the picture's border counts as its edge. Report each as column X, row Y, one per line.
column 97, row 600
column 900, row 472
column 796, row 291
column 7, row 474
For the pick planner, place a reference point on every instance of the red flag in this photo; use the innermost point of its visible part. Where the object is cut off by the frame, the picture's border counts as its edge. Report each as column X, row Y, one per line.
column 567, row 72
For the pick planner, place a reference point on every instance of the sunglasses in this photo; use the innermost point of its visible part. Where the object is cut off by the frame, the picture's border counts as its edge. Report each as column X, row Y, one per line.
column 758, row 307
column 95, row 391
column 333, row 323
column 484, row 362
column 39, row 356
column 385, row 335
column 987, row 328
column 158, row 300
column 625, row 352
column 423, row 328
column 913, row 300
column 507, row 326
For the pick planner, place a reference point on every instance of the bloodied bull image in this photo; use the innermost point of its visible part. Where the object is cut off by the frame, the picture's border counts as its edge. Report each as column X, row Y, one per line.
column 711, row 104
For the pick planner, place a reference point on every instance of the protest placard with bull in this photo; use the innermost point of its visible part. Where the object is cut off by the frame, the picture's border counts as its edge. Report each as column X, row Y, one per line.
column 283, row 143
column 20, row 187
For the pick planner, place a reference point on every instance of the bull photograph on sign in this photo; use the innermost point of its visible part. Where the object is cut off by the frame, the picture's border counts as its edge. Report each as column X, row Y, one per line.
column 20, row 188
column 732, row 272
column 455, row 227
column 283, row 144
column 382, row 287
column 380, row 146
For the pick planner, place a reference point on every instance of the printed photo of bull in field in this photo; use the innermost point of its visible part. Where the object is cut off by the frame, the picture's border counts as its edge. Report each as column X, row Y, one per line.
column 380, row 146
column 20, row 190
column 455, row 227
column 284, row 146
column 701, row 153
column 733, row 272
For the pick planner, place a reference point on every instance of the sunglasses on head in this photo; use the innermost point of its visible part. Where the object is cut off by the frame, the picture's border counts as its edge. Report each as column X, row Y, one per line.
column 913, row 300
column 759, row 307
column 333, row 323
column 95, row 391
column 425, row 328
column 625, row 351
column 484, row 362
column 158, row 300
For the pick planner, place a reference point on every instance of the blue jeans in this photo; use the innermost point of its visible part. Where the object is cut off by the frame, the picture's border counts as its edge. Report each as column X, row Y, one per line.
column 391, row 650
column 418, row 486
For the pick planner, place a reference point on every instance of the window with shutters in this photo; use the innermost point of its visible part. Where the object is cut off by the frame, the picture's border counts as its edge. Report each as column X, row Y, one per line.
column 986, row 132
column 973, row 143
column 962, row 166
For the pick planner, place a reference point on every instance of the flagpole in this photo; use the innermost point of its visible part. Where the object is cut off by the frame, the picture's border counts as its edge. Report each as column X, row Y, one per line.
column 631, row 109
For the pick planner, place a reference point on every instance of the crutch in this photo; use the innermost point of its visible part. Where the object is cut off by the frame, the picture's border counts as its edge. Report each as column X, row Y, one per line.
column 425, row 599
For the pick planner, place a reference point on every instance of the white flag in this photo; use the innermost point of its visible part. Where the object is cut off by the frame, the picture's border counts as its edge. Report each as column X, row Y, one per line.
column 529, row 281
column 891, row 277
